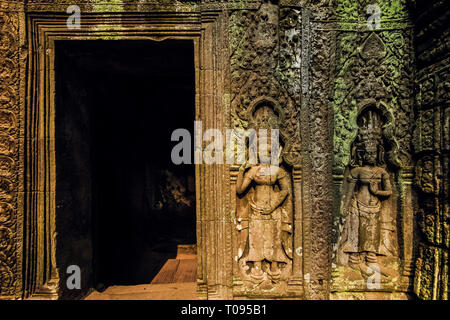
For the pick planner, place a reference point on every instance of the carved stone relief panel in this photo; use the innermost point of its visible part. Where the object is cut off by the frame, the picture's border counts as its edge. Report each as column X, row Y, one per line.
column 9, row 99
column 318, row 212
column 367, row 251
column 264, row 217
column 374, row 79
column 265, row 87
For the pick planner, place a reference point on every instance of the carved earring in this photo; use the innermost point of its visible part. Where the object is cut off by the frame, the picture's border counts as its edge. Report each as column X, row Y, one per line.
column 381, row 155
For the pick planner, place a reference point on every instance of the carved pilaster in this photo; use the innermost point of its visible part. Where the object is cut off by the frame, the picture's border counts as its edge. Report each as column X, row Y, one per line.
column 408, row 222
column 10, row 220
column 296, row 280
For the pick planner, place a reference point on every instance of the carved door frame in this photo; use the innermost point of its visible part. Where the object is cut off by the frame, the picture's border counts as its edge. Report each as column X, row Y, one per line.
column 37, row 201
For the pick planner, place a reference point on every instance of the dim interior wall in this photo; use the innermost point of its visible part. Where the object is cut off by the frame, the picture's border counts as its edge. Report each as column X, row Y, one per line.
column 74, row 177
column 122, row 206
column 431, row 146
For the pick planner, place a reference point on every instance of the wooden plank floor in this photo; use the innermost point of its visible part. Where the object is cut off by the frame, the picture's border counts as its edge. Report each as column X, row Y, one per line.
column 175, row 281
column 162, row 291
column 186, row 272
column 176, row 271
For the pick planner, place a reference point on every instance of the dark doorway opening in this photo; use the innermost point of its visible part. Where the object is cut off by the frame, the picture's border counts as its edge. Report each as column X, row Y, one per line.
column 123, row 207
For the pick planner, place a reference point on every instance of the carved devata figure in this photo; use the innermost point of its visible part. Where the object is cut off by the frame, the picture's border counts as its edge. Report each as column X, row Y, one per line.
column 366, row 216
column 264, row 217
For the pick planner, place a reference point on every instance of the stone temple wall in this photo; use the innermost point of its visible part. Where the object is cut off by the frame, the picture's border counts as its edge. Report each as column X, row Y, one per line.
column 358, row 208
column 373, row 87
column 431, row 148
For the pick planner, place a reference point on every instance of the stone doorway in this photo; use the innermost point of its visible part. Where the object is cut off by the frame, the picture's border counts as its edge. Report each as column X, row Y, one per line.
column 123, row 209
column 43, row 276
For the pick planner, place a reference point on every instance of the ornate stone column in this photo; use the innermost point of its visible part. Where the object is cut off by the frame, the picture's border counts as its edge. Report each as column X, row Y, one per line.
column 11, row 153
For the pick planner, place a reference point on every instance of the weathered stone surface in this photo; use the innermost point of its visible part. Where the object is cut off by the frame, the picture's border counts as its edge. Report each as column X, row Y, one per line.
column 431, row 147
column 364, row 131
column 10, row 172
